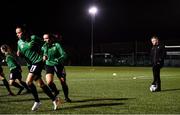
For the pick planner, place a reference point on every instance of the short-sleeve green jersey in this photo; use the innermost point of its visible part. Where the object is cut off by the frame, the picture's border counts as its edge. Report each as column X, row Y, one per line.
column 55, row 54
column 31, row 49
column 11, row 62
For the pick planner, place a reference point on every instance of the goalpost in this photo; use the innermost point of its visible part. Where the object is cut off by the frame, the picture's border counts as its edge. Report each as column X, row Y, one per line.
column 172, row 55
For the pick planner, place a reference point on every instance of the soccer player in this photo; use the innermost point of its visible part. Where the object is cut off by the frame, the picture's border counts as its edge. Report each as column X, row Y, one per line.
column 15, row 69
column 157, row 55
column 55, row 56
column 5, row 82
column 30, row 48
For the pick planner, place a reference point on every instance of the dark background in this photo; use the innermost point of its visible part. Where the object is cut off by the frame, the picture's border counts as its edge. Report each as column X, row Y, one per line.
column 117, row 21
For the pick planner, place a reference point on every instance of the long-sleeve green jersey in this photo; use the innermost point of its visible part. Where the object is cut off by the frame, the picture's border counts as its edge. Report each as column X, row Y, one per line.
column 31, row 50
column 11, row 62
column 55, row 54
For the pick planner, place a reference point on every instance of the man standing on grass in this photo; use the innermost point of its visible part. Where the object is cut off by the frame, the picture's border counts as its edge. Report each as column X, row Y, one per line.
column 157, row 55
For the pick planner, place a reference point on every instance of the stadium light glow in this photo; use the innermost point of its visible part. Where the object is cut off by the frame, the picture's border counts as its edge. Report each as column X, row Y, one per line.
column 93, row 10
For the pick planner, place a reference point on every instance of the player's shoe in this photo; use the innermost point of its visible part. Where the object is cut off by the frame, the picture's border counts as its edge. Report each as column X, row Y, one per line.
column 36, row 106
column 19, row 92
column 11, row 94
column 67, row 99
column 158, row 89
column 57, row 103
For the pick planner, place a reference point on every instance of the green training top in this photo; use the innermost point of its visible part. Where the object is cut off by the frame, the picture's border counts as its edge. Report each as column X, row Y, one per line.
column 55, row 53
column 31, row 50
column 11, row 62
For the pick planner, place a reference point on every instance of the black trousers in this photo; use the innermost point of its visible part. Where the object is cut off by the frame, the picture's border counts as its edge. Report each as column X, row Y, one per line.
column 156, row 76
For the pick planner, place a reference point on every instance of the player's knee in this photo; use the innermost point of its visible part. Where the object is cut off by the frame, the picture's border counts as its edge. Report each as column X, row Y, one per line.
column 62, row 80
column 28, row 83
column 11, row 82
column 41, row 83
column 49, row 81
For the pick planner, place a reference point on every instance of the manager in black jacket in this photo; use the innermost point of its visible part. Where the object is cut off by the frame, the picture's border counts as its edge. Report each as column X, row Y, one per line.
column 157, row 55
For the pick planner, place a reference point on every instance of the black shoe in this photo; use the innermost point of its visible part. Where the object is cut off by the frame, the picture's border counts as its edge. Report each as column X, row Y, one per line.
column 158, row 89
column 19, row 92
column 67, row 99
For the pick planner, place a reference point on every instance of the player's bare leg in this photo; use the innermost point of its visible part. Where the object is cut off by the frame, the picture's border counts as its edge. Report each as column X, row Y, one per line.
column 32, row 87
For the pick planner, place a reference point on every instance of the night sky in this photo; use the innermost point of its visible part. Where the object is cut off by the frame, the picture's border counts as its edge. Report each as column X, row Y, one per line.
column 116, row 21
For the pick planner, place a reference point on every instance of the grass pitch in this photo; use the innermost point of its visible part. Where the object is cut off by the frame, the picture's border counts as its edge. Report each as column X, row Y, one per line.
column 95, row 90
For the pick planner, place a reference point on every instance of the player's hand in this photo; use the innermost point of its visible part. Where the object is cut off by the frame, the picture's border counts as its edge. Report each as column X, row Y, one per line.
column 18, row 53
column 45, row 58
column 56, row 60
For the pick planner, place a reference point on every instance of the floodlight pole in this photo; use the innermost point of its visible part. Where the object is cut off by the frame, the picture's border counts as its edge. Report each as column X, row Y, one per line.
column 92, row 11
column 92, row 38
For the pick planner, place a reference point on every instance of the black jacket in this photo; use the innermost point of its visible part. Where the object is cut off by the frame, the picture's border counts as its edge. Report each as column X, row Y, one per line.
column 157, row 55
column 1, row 70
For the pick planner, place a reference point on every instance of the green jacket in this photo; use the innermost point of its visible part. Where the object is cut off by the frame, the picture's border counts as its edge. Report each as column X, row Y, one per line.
column 31, row 50
column 55, row 53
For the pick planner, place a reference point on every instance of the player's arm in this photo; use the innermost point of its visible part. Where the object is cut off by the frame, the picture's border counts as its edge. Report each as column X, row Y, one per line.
column 18, row 51
column 161, row 55
column 62, row 53
column 44, row 51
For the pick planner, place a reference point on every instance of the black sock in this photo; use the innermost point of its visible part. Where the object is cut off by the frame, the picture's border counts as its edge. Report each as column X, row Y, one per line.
column 33, row 89
column 25, row 85
column 47, row 90
column 5, row 82
column 53, row 87
column 65, row 89
column 17, row 85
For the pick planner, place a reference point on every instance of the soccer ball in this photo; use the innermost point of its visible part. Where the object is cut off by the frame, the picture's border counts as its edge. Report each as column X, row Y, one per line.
column 153, row 88
column 114, row 74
